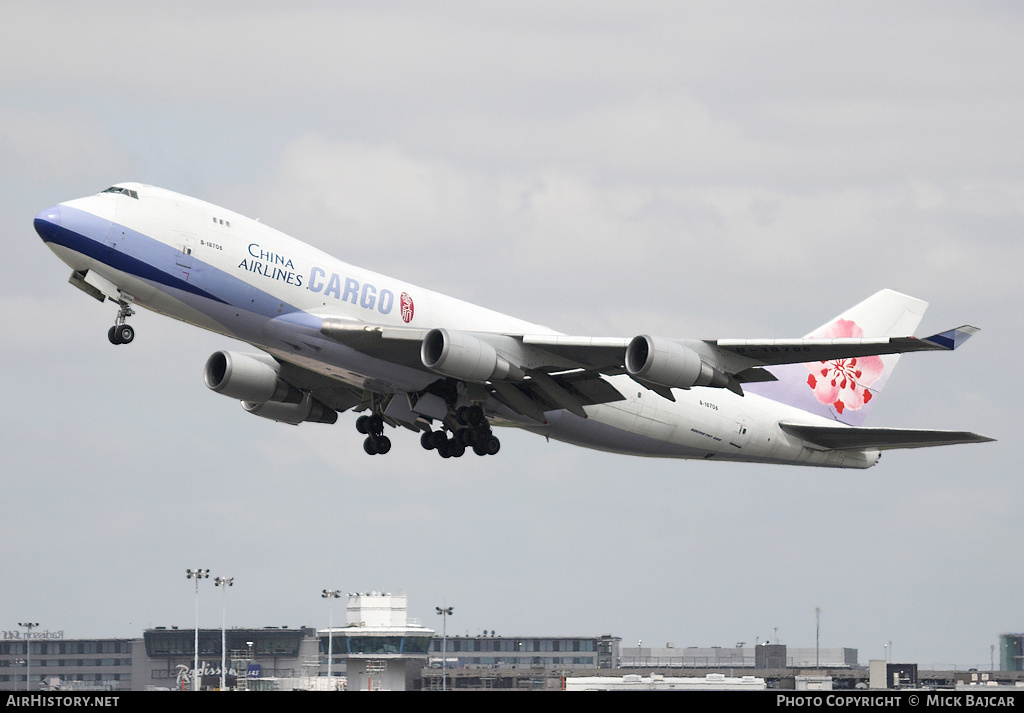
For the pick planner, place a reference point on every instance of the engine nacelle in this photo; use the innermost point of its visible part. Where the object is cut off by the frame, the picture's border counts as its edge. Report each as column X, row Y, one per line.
column 463, row 356
column 309, row 409
column 248, row 377
column 669, row 363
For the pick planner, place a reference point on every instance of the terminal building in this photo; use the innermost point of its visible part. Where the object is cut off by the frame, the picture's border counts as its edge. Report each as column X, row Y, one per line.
column 763, row 656
column 380, row 648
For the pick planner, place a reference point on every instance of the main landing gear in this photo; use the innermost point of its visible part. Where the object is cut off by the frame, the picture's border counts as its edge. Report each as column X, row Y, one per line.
column 373, row 426
column 122, row 332
column 468, row 429
column 473, row 432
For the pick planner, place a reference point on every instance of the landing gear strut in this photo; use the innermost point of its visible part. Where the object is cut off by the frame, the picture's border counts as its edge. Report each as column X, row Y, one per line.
column 122, row 332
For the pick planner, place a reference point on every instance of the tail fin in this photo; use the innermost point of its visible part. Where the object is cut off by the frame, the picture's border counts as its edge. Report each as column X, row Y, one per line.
column 845, row 389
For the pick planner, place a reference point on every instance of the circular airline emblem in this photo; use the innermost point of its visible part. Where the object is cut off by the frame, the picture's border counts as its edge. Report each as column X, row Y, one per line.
column 407, row 307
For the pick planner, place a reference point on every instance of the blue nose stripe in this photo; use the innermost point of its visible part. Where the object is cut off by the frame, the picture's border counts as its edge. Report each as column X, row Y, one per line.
column 46, row 221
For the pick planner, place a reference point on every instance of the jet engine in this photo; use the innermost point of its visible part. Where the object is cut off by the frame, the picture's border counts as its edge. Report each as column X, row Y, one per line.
column 463, row 356
column 248, row 377
column 309, row 409
column 668, row 363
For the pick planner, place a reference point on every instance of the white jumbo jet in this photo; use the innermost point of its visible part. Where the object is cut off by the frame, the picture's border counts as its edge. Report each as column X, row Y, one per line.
column 334, row 337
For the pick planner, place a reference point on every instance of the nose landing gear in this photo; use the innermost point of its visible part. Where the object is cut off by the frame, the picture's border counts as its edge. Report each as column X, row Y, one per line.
column 122, row 332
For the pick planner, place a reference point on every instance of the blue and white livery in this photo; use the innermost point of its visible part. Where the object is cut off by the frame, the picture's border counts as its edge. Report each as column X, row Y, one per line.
column 333, row 337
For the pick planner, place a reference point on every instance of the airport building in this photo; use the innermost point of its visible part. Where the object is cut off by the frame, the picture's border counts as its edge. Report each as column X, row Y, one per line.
column 764, row 656
column 80, row 664
column 1011, row 652
column 380, row 648
column 544, row 652
column 254, row 658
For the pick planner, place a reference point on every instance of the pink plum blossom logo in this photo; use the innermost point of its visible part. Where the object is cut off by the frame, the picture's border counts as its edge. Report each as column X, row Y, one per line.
column 843, row 383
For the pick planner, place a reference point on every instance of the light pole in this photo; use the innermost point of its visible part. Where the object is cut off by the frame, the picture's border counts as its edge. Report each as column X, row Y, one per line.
column 817, row 637
column 223, row 583
column 196, row 574
column 444, row 612
column 331, row 594
column 29, row 626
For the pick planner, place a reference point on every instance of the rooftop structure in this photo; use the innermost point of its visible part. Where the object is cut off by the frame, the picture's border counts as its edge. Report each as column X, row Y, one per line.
column 382, row 649
column 657, row 682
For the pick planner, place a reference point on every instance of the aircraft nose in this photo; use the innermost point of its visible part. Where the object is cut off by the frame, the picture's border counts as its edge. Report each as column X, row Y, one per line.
column 46, row 221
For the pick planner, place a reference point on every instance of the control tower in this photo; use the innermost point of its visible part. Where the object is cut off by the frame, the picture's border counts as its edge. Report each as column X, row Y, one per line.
column 383, row 650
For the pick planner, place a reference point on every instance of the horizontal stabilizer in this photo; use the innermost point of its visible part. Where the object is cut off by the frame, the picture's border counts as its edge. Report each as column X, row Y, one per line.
column 851, row 438
column 953, row 338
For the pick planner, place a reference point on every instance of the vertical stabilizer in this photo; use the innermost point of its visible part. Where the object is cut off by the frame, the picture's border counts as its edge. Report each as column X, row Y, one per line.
column 845, row 389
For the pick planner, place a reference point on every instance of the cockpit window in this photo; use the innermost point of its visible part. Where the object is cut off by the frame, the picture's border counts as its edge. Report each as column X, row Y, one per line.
column 125, row 191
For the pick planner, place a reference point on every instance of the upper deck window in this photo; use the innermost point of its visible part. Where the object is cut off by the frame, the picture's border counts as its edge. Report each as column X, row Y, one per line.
column 124, row 191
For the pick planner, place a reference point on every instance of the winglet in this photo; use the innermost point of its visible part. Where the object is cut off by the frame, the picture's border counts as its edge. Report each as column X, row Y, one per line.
column 952, row 338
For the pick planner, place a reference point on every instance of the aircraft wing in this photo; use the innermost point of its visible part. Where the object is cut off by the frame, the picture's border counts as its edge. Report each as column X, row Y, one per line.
column 796, row 351
column 533, row 373
column 851, row 438
column 330, row 392
column 664, row 364
column 399, row 345
column 547, row 382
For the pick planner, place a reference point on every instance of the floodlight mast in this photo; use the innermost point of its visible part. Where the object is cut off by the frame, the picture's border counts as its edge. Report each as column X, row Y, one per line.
column 444, row 612
column 196, row 574
column 223, row 583
column 330, row 594
column 29, row 626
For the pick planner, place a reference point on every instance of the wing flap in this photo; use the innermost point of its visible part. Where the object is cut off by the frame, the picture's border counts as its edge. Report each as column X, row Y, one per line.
column 858, row 438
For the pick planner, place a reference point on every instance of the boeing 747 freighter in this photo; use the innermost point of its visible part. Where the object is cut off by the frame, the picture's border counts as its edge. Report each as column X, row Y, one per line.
column 331, row 337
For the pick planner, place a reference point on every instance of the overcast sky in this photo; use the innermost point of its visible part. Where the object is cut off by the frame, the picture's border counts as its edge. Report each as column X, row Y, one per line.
column 685, row 169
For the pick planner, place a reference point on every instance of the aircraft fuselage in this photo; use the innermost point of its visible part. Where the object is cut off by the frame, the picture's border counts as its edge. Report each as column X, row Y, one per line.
column 221, row 271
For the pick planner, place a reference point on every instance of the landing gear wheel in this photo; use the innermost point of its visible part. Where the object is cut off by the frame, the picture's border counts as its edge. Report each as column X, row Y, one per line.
column 480, row 436
column 427, row 440
column 375, row 424
column 361, row 424
column 474, row 416
column 493, row 446
column 125, row 334
column 112, row 335
column 376, row 445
